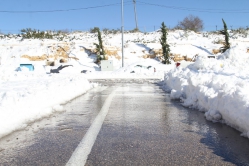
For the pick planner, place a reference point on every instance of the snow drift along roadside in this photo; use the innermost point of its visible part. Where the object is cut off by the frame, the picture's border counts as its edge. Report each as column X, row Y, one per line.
column 218, row 87
column 33, row 97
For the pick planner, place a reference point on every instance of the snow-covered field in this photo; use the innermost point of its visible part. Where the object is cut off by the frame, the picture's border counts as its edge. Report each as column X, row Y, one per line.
column 217, row 86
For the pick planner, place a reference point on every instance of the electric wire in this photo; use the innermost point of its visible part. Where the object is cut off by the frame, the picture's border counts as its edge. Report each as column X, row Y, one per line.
column 197, row 10
column 64, row 10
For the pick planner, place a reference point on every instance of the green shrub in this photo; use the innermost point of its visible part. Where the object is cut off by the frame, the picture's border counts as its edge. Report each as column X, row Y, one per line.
column 29, row 33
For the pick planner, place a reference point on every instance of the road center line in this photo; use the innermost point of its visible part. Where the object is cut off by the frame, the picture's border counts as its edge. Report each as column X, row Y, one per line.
column 84, row 148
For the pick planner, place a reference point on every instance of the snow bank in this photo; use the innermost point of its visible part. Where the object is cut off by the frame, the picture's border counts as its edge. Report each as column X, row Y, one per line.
column 26, row 97
column 218, row 87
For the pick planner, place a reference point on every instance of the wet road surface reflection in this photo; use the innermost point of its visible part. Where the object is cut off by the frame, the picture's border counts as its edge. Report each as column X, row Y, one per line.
column 143, row 127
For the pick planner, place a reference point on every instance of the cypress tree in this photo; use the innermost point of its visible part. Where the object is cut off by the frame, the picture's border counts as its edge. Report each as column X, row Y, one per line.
column 224, row 32
column 165, row 45
column 99, row 48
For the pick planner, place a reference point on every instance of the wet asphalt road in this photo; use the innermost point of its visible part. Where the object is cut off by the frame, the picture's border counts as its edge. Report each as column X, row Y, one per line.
column 142, row 127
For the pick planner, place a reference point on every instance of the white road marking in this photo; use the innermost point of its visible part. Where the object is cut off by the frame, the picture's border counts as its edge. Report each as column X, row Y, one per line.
column 84, row 148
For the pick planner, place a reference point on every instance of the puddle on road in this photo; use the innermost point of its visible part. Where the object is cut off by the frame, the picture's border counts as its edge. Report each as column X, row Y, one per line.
column 223, row 140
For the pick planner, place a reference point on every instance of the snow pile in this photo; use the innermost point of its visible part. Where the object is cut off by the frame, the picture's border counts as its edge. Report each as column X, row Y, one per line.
column 218, row 87
column 26, row 97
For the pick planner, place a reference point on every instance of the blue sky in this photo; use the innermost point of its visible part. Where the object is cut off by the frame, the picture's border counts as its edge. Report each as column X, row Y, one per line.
column 107, row 14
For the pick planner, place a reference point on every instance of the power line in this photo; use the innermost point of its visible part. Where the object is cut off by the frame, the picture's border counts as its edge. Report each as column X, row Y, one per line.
column 62, row 10
column 198, row 10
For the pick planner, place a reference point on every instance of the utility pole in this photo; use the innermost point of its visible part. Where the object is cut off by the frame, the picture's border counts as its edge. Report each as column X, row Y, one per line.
column 122, row 29
column 135, row 11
